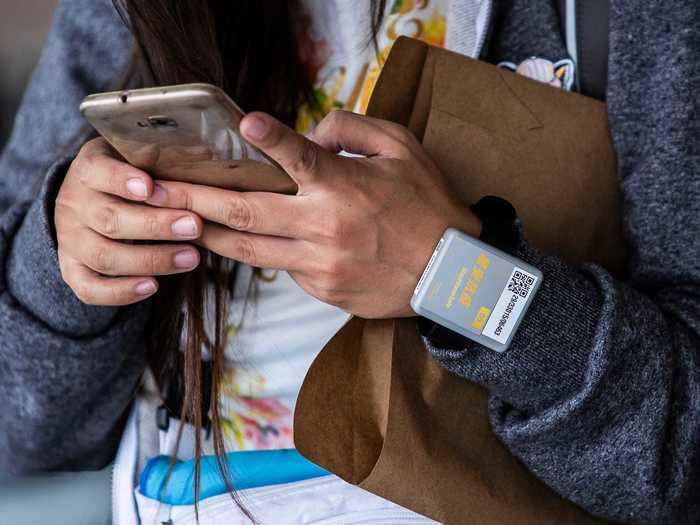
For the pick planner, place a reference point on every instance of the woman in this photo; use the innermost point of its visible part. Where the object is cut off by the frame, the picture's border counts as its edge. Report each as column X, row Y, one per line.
column 602, row 379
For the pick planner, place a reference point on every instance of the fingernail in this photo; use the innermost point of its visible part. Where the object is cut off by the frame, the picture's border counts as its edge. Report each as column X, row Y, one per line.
column 159, row 195
column 256, row 127
column 137, row 187
column 185, row 227
column 186, row 259
column 145, row 288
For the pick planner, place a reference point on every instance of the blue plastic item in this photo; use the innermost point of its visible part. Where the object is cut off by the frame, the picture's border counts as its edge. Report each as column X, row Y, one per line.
column 248, row 469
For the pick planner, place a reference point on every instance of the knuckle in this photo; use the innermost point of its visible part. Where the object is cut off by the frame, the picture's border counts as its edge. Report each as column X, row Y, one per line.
column 307, row 160
column 332, row 122
column 334, row 229
column 177, row 196
column 96, row 144
column 60, row 203
column 66, row 271
column 398, row 131
column 102, row 260
column 82, row 166
column 88, row 158
column 114, row 176
column 154, row 262
column 406, row 150
column 84, row 292
column 67, row 240
column 117, row 295
column 403, row 132
column 152, row 226
column 238, row 214
column 84, row 150
column 331, row 275
column 331, row 296
column 107, row 221
column 246, row 251
column 411, row 143
column 406, row 142
column 184, row 199
column 61, row 211
column 338, row 116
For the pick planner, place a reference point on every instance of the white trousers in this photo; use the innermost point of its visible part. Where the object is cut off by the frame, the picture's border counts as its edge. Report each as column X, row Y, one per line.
column 320, row 501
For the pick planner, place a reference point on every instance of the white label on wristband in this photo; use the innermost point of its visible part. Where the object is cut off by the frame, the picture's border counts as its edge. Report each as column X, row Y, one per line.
column 510, row 305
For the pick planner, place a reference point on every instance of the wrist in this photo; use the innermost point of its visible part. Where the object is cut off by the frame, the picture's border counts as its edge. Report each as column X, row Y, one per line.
column 465, row 220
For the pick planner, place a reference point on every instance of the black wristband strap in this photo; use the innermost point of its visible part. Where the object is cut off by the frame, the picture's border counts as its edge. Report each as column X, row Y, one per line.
column 498, row 218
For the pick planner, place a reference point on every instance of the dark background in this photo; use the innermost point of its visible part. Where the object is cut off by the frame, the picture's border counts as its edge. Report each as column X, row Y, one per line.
column 23, row 28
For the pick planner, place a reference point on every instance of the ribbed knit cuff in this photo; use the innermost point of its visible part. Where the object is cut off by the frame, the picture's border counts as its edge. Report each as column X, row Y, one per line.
column 548, row 355
column 33, row 276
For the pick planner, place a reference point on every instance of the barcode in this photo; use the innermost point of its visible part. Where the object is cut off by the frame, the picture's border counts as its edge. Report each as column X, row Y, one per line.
column 511, row 305
column 520, row 283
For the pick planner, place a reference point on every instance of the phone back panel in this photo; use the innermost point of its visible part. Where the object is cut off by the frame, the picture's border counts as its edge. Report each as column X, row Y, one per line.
column 187, row 132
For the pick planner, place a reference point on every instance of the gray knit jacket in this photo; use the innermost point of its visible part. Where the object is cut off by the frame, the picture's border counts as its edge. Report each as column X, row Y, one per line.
column 599, row 394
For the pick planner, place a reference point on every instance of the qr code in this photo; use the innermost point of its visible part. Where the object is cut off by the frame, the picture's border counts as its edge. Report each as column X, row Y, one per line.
column 520, row 284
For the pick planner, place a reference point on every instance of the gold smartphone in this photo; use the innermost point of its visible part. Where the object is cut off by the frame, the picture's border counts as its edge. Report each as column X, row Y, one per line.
column 187, row 132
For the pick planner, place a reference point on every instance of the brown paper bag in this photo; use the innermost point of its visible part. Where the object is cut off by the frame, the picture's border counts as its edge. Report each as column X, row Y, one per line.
column 375, row 408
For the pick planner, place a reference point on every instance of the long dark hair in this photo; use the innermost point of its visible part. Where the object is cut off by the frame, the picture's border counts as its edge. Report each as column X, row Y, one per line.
column 249, row 49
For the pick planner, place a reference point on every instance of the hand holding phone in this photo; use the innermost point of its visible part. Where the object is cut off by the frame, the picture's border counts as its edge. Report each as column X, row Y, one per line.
column 185, row 133
column 100, row 207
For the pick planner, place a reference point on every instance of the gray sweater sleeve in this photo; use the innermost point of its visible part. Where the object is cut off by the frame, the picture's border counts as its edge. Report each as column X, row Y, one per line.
column 67, row 370
column 600, row 393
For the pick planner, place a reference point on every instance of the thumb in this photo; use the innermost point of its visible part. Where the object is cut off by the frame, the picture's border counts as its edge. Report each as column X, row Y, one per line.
column 360, row 135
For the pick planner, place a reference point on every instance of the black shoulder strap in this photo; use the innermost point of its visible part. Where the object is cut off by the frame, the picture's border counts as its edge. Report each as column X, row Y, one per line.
column 585, row 27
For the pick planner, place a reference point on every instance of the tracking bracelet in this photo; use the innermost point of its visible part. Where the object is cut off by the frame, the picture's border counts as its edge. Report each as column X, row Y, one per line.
column 471, row 288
